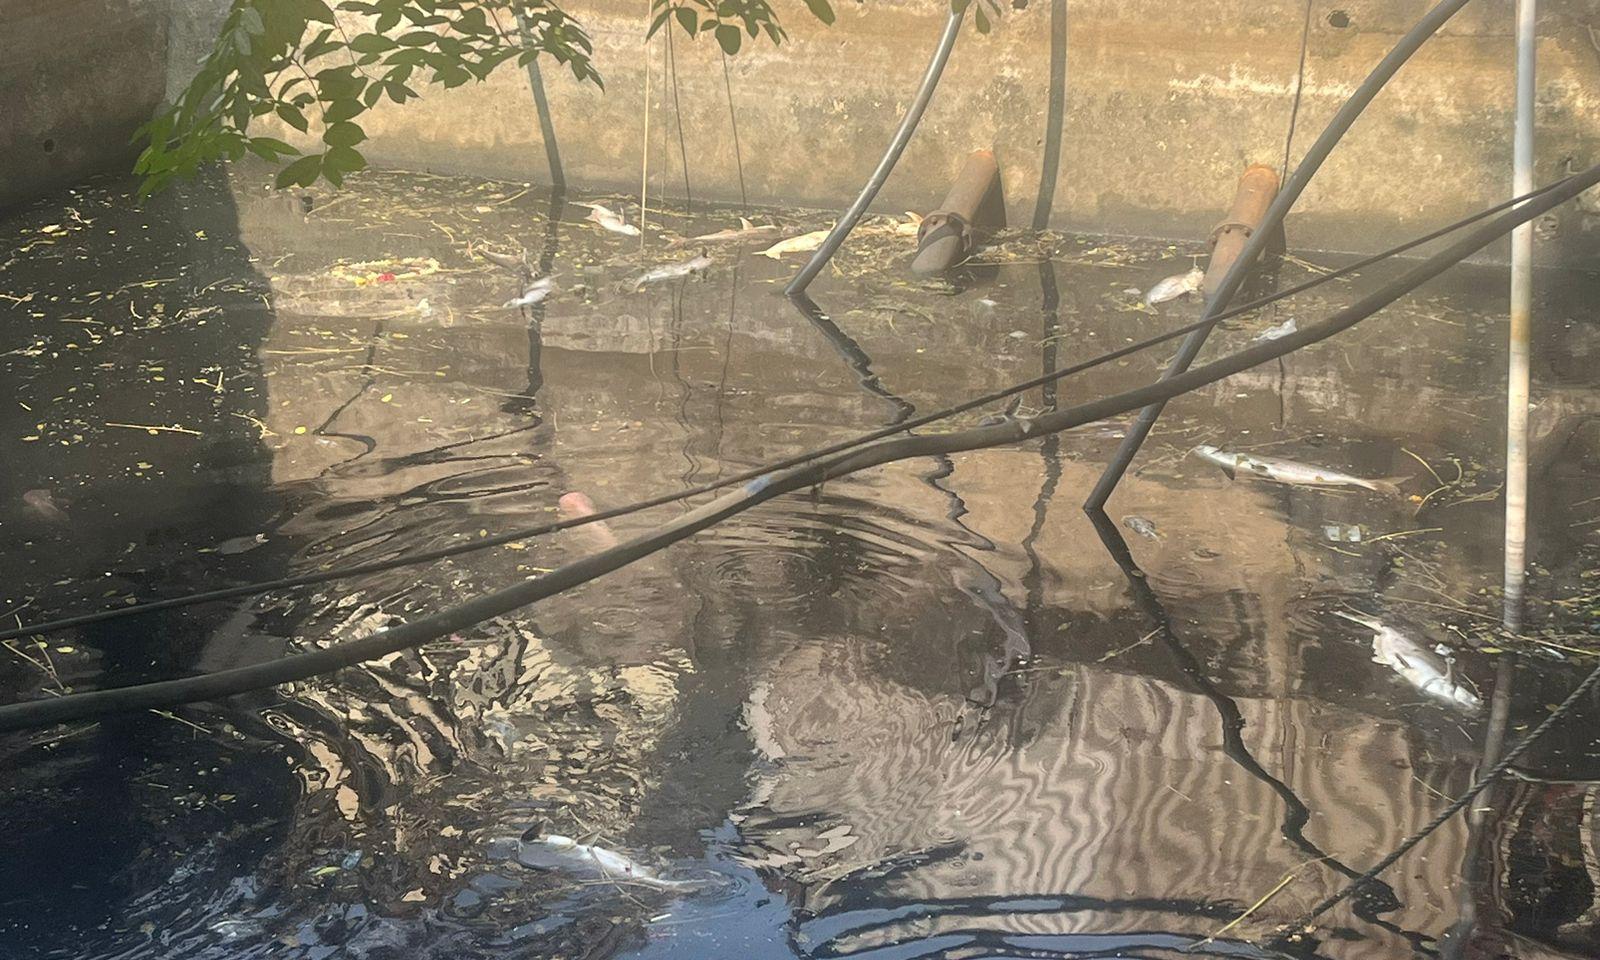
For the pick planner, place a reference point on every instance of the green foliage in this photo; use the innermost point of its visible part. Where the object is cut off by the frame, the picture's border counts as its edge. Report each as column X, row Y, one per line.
column 294, row 60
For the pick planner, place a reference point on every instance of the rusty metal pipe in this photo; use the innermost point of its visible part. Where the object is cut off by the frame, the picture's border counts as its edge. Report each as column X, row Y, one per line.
column 946, row 235
column 1257, row 189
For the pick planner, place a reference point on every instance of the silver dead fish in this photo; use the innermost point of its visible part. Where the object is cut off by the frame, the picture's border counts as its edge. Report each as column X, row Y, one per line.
column 555, row 852
column 801, row 244
column 1422, row 668
column 534, row 293
column 745, row 233
column 1289, row 471
column 1143, row 527
column 697, row 264
column 1178, row 285
column 610, row 220
column 1276, row 333
column 506, row 261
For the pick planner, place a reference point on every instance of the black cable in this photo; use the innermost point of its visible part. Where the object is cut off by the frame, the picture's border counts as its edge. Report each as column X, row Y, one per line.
column 224, row 683
column 525, row 533
column 1483, row 783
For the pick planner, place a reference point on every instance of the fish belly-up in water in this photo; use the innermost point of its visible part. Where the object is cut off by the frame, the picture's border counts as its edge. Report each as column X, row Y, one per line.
column 1422, row 668
column 535, row 293
column 1279, row 470
column 1174, row 287
column 801, row 244
column 554, row 852
column 610, row 220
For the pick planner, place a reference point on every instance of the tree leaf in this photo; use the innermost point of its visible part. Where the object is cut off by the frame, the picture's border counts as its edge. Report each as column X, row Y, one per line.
column 729, row 37
column 372, row 43
column 293, row 117
column 688, row 18
column 343, row 134
column 821, row 10
column 301, row 173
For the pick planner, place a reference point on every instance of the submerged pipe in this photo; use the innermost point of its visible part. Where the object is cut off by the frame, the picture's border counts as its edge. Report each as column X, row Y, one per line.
column 1329, row 138
column 1518, row 376
column 1257, row 186
column 891, row 156
column 947, row 234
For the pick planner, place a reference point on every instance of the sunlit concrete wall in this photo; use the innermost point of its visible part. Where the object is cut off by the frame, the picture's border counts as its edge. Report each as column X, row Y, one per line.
column 1163, row 106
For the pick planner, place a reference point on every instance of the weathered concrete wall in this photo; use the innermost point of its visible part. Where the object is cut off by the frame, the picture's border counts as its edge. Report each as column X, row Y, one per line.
column 1165, row 104
column 77, row 77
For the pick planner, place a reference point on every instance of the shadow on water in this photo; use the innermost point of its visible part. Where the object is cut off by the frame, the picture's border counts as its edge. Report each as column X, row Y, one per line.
column 917, row 712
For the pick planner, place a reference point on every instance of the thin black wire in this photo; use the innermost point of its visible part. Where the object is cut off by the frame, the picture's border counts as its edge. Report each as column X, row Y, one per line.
column 1498, row 771
column 677, row 114
column 733, row 121
column 525, row 533
column 1299, row 88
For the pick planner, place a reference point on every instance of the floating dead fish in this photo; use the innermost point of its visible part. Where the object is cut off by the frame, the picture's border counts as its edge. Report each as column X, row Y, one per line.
column 1010, row 412
column 1289, row 471
column 1143, row 527
column 42, row 503
column 517, row 265
column 747, row 232
column 577, row 504
column 534, row 293
column 555, row 852
column 801, row 244
column 1422, row 668
column 697, row 264
column 610, row 220
column 1178, row 285
column 1276, row 333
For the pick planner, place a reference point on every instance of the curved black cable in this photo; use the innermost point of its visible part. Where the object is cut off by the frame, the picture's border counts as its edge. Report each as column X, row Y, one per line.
column 525, row 533
column 321, row 660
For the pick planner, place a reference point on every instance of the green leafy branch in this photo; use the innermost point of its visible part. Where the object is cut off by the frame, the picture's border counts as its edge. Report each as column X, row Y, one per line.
column 296, row 60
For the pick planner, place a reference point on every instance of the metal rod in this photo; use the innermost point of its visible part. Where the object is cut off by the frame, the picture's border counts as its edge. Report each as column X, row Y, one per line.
column 1518, row 376
column 1341, row 122
column 908, row 126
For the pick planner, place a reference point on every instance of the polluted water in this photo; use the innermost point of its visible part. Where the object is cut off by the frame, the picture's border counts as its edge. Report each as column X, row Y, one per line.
column 926, row 710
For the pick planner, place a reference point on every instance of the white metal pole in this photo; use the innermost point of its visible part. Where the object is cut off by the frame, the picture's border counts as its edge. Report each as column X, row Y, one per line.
column 1517, row 384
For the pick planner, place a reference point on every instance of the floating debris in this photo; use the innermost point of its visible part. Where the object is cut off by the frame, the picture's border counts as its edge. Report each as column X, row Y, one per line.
column 1276, row 333
column 1143, row 527
column 1173, row 287
column 1424, row 669
column 1337, row 532
column 1289, row 471
column 42, row 503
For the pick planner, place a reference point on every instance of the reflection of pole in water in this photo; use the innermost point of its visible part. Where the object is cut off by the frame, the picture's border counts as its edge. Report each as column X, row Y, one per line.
column 1477, row 902
column 1517, row 379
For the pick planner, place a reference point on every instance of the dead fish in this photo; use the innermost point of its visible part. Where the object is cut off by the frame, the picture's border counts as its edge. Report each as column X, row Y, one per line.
column 43, row 504
column 1010, row 412
column 801, row 244
column 555, row 852
column 746, row 232
column 1178, row 285
column 1141, row 526
column 610, row 220
column 534, row 293
column 577, row 504
column 506, row 261
column 1276, row 333
column 697, row 264
column 1424, row 669
column 1290, row 471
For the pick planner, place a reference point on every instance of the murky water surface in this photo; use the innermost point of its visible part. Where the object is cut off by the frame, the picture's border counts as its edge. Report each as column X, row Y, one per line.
column 920, row 712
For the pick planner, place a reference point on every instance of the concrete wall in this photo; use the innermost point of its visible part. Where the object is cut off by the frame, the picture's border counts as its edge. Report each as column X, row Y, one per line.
column 77, row 77
column 1164, row 105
